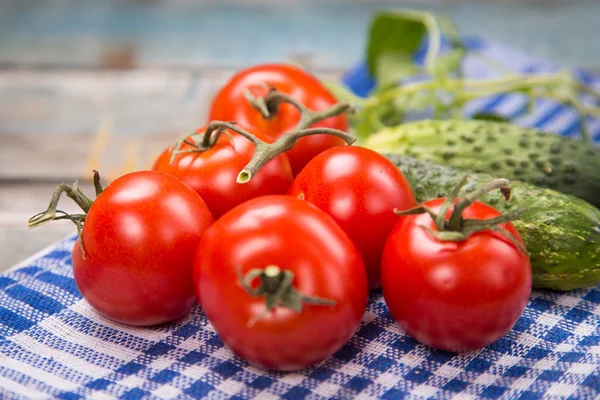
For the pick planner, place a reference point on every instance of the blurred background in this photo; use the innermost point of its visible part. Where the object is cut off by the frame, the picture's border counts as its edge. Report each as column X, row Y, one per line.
column 108, row 84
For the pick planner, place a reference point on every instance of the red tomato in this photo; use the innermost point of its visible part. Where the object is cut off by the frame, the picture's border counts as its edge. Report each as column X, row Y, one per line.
column 297, row 237
column 139, row 237
column 230, row 104
column 454, row 296
column 359, row 188
column 212, row 173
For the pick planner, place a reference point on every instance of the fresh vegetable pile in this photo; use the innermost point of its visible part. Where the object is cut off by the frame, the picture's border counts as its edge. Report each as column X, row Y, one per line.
column 278, row 226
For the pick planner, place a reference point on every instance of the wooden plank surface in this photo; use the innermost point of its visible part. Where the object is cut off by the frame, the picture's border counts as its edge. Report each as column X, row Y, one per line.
column 107, row 85
column 232, row 33
column 60, row 125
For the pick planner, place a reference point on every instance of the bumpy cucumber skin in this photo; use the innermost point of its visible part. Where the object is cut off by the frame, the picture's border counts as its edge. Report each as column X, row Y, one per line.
column 500, row 149
column 561, row 232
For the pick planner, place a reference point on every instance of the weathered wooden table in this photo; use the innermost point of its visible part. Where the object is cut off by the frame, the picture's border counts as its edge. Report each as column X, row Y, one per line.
column 107, row 85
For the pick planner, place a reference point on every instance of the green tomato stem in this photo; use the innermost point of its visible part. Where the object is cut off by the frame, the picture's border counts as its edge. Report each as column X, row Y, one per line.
column 276, row 286
column 75, row 193
column 265, row 152
column 269, row 105
column 457, row 228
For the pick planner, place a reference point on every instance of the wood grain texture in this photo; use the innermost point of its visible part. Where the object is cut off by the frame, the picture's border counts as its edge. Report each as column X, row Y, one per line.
column 57, row 126
column 108, row 85
column 235, row 33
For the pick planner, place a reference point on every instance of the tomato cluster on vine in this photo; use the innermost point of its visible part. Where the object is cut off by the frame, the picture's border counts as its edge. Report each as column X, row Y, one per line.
column 278, row 228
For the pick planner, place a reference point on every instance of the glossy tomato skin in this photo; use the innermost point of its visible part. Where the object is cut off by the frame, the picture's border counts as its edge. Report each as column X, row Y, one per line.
column 296, row 236
column 230, row 104
column 454, row 296
column 359, row 188
column 212, row 173
column 140, row 236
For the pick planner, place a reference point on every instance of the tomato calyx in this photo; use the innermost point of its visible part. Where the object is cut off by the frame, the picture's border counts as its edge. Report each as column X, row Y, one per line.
column 265, row 152
column 457, row 228
column 199, row 142
column 75, row 193
column 269, row 105
column 276, row 286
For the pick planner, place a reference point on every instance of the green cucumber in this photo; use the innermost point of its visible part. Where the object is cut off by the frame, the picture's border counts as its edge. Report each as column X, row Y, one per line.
column 561, row 232
column 500, row 149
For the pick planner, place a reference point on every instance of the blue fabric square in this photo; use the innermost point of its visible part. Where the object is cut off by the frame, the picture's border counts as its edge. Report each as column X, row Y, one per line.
column 134, row 394
column 593, row 382
column 14, row 321
column 551, row 375
column 215, row 341
column 593, row 296
column 478, row 365
column 226, row 369
column 357, row 383
column 296, row 393
column 347, row 353
column 130, row 368
column 159, row 349
column 572, row 357
column 4, row 282
column 590, row 341
column 404, row 344
column 456, row 385
column 502, row 346
column 557, row 335
column 164, row 376
column 370, row 331
column 523, row 324
column 441, row 357
column 194, row 357
column 187, row 331
column 63, row 282
column 262, row 382
column 198, row 389
column 69, row 396
column 578, row 315
column 35, row 299
column 99, row 384
column 540, row 304
column 382, row 363
column 528, row 395
column 537, row 353
column 393, row 394
column 493, row 392
column 32, row 270
column 516, row 371
column 321, row 374
column 418, row 375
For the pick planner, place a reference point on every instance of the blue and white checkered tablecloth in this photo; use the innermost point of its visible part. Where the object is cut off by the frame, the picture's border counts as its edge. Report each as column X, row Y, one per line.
column 53, row 345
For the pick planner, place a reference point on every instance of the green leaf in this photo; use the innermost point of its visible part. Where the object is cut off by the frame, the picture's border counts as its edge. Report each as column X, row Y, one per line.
column 448, row 63
column 393, row 67
column 394, row 37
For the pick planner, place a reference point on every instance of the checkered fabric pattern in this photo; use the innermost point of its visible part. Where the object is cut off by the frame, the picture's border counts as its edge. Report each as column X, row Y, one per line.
column 53, row 345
